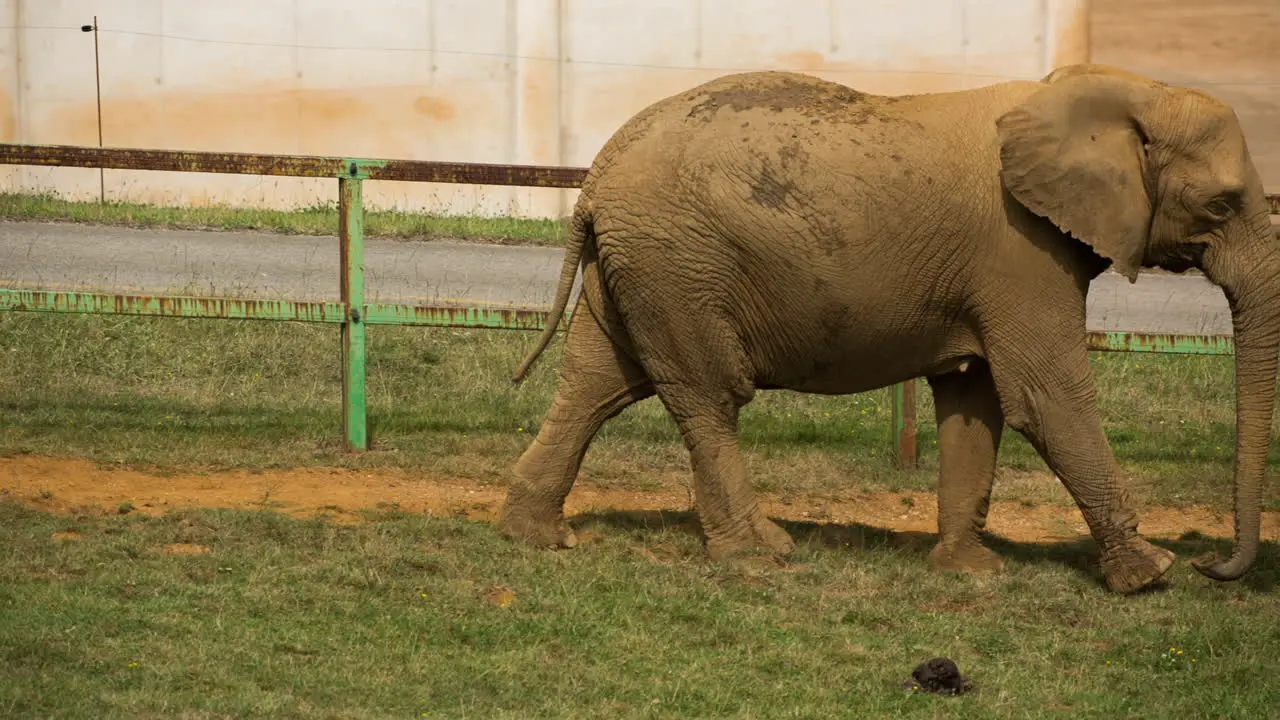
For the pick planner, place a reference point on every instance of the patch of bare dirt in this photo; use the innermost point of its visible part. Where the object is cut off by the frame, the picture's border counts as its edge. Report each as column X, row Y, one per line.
column 501, row 596
column 185, row 549
column 67, row 485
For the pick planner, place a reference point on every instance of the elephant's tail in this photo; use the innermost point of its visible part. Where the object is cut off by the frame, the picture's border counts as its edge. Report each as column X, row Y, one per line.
column 580, row 233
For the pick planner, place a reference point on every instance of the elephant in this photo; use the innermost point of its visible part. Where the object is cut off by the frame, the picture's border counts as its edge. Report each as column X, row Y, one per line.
column 775, row 230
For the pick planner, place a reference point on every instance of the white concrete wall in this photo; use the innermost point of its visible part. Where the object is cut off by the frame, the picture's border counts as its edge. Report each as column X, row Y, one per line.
column 511, row 81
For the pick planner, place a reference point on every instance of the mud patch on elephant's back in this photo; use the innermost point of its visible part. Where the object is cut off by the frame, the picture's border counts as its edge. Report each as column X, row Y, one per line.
column 793, row 157
column 809, row 96
column 770, row 189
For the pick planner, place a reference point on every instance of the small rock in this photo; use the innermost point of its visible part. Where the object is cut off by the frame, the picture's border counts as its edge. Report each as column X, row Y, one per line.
column 938, row 675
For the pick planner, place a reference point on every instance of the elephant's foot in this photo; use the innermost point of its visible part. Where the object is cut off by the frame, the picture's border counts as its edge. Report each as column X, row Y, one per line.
column 759, row 536
column 543, row 527
column 1133, row 564
column 970, row 556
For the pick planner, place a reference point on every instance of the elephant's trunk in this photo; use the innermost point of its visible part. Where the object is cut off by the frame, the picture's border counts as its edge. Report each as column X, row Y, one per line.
column 1251, row 281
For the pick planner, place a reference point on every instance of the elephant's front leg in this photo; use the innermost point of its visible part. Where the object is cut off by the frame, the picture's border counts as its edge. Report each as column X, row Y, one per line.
column 1046, row 390
column 970, row 423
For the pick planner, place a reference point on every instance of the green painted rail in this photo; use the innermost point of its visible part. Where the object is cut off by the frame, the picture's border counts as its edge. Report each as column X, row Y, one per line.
column 334, row 313
column 352, row 314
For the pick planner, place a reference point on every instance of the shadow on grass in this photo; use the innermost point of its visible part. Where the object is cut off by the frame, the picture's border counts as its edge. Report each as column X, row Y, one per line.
column 1078, row 555
column 633, row 522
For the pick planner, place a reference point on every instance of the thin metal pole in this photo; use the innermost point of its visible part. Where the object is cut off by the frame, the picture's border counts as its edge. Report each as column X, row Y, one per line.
column 351, row 237
column 904, row 424
column 97, row 82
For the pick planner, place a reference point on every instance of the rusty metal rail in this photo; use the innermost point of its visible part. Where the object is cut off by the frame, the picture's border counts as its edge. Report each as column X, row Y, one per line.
column 352, row 313
column 292, row 166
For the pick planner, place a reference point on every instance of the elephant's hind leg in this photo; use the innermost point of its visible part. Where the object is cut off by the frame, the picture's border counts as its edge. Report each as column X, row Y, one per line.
column 970, row 423
column 705, row 399
column 598, row 381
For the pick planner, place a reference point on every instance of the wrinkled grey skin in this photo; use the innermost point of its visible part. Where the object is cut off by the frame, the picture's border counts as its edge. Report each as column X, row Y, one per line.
column 773, row 230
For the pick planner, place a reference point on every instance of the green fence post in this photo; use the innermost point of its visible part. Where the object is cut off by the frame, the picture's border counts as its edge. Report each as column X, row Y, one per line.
column 351, row 241
column 904, row 424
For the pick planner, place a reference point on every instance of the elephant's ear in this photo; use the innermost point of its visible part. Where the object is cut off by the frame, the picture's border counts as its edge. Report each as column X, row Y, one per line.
column 1074, row 152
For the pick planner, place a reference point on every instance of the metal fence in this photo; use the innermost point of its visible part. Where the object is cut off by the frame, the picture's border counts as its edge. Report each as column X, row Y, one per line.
column 353, row 314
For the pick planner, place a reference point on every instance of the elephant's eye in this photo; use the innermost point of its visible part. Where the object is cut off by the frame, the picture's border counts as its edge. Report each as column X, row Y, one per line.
column 1219, row 208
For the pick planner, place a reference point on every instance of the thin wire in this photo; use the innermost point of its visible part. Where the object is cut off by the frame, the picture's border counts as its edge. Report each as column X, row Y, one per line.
column 503, row 56
column 598, row 63
column 535, row 58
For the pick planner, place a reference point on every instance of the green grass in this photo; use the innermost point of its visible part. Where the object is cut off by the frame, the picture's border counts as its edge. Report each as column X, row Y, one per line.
column 316, row 220
column 220, row 393
column 392, row 618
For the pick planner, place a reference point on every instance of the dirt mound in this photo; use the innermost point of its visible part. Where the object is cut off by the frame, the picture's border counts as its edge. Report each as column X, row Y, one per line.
column 64, row 485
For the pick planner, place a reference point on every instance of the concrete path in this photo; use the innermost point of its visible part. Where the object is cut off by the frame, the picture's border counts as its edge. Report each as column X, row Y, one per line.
column 60, row 256
column 57, row 256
